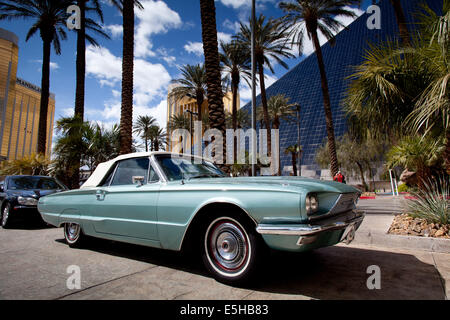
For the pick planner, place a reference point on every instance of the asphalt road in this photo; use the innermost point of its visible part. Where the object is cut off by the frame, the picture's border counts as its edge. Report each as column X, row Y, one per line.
column 34, row 263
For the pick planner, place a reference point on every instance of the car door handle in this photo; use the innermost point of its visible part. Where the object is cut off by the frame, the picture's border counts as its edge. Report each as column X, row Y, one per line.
column 100, row 195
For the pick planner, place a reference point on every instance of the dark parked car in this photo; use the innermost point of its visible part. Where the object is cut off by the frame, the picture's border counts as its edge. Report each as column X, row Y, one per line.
column 19, row 196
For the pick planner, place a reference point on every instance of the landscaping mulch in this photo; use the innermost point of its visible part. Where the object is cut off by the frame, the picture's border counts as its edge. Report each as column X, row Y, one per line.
column 404, row 224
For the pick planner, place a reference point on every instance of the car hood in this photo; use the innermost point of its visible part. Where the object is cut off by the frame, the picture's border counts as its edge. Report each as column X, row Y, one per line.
column 279, row 183
column 32, row 193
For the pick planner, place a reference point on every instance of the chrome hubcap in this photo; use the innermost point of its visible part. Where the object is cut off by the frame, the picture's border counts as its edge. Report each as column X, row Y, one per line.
column 72, row 231
column 5, row 215
column 228, row 246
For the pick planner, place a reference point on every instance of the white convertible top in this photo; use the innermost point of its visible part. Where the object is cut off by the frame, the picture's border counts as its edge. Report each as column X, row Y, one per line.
column 104, row 167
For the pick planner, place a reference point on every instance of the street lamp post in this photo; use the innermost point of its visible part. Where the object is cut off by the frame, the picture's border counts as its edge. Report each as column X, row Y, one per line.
column 253, row 61
column 299, row 163
column 190, row 127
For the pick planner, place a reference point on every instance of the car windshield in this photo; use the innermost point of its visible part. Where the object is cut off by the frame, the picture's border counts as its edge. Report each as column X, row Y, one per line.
column 25, row 183
column 177, row 168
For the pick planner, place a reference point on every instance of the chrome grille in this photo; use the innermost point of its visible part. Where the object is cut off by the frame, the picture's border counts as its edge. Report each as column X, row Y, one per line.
column 345, row 202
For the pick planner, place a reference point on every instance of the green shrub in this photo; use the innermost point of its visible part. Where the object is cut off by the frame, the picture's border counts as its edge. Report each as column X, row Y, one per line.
column 432, row 201
column 403, row 188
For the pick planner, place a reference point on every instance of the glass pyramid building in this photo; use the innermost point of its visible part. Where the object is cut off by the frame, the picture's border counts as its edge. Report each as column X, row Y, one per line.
column 303, row 86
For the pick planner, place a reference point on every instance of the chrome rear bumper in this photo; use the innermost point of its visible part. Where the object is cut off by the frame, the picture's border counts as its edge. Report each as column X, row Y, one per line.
column 349, row 221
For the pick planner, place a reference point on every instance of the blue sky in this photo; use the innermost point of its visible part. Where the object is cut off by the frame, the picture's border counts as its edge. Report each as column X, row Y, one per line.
column 167, row 36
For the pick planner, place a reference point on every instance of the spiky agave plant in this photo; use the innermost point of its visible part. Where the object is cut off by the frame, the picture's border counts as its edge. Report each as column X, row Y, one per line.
column 432, row 202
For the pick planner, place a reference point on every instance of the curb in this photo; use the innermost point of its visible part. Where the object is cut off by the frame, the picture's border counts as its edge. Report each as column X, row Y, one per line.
column 402, row 242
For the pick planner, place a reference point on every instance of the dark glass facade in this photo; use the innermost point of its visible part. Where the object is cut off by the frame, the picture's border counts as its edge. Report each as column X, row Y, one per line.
column 303, row 86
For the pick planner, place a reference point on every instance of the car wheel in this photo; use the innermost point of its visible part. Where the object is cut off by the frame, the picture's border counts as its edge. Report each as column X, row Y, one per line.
column 74, row 235
column 5, row 217
column 231, row 249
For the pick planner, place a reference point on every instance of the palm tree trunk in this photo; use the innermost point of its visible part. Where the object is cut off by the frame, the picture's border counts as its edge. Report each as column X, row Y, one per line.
column 234, row 89
column 80, row 85
column 361, row 172
column 199, row 105
column 294, row 162
column 327, row 106
column 264, row 106
column 81, row 62
column 212, row 66
column 126, row 118
column 276, row 126
column 401, row 21
column 447, row 152
column 45, row 93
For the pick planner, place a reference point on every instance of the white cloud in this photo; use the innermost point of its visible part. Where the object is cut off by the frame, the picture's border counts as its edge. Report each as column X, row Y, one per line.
column 237, row 4
column 150, row 80
column 233, row 26
column 155, row 18
column 194, row 47
column 225, row 37
column 103, row 65
column 54, row 65
column 164, row 54
column 116, row 30
column 197, row 47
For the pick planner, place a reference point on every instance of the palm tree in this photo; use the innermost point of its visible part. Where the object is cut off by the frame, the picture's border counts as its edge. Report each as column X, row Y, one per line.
column 142, row 127
column 192, row 84
column 278, row 108
column 103, row 144
column 180, row 121
column 432, row 109
column 235, row 64
column 85, row 24
column 314, row 16
column 50, row 18
column 158, row 138
column 294, row 151
column 70, row 147
column 417, row 154
column 212, row 66
column 242, row 119
column 271, row 42
column 384, row 89
column 401, row 21
column 126, row 7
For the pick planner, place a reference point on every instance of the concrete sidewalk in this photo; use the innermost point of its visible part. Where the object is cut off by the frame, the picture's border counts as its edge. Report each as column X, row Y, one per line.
column 379, row 215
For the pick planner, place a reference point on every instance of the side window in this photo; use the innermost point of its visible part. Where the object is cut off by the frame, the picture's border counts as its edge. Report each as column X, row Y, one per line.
column 127, row 169
column 152, row 175
column 108, row 178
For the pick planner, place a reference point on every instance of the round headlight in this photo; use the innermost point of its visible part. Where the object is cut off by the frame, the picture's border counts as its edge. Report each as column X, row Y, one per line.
column 314, row 203
column 311, row 204
column 308, row 205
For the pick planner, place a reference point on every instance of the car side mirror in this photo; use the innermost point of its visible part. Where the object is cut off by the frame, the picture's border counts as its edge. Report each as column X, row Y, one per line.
column 139, row 180
column 2, row 189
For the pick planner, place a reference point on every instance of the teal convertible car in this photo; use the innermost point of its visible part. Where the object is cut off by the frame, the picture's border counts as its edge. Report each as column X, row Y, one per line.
column 176, row 202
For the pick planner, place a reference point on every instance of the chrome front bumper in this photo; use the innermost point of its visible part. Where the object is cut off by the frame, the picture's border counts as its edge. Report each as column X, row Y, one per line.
column 348, row 221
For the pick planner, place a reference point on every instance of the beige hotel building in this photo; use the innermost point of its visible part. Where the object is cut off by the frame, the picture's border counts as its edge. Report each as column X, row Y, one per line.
column 19, row 106
column 178, row 107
